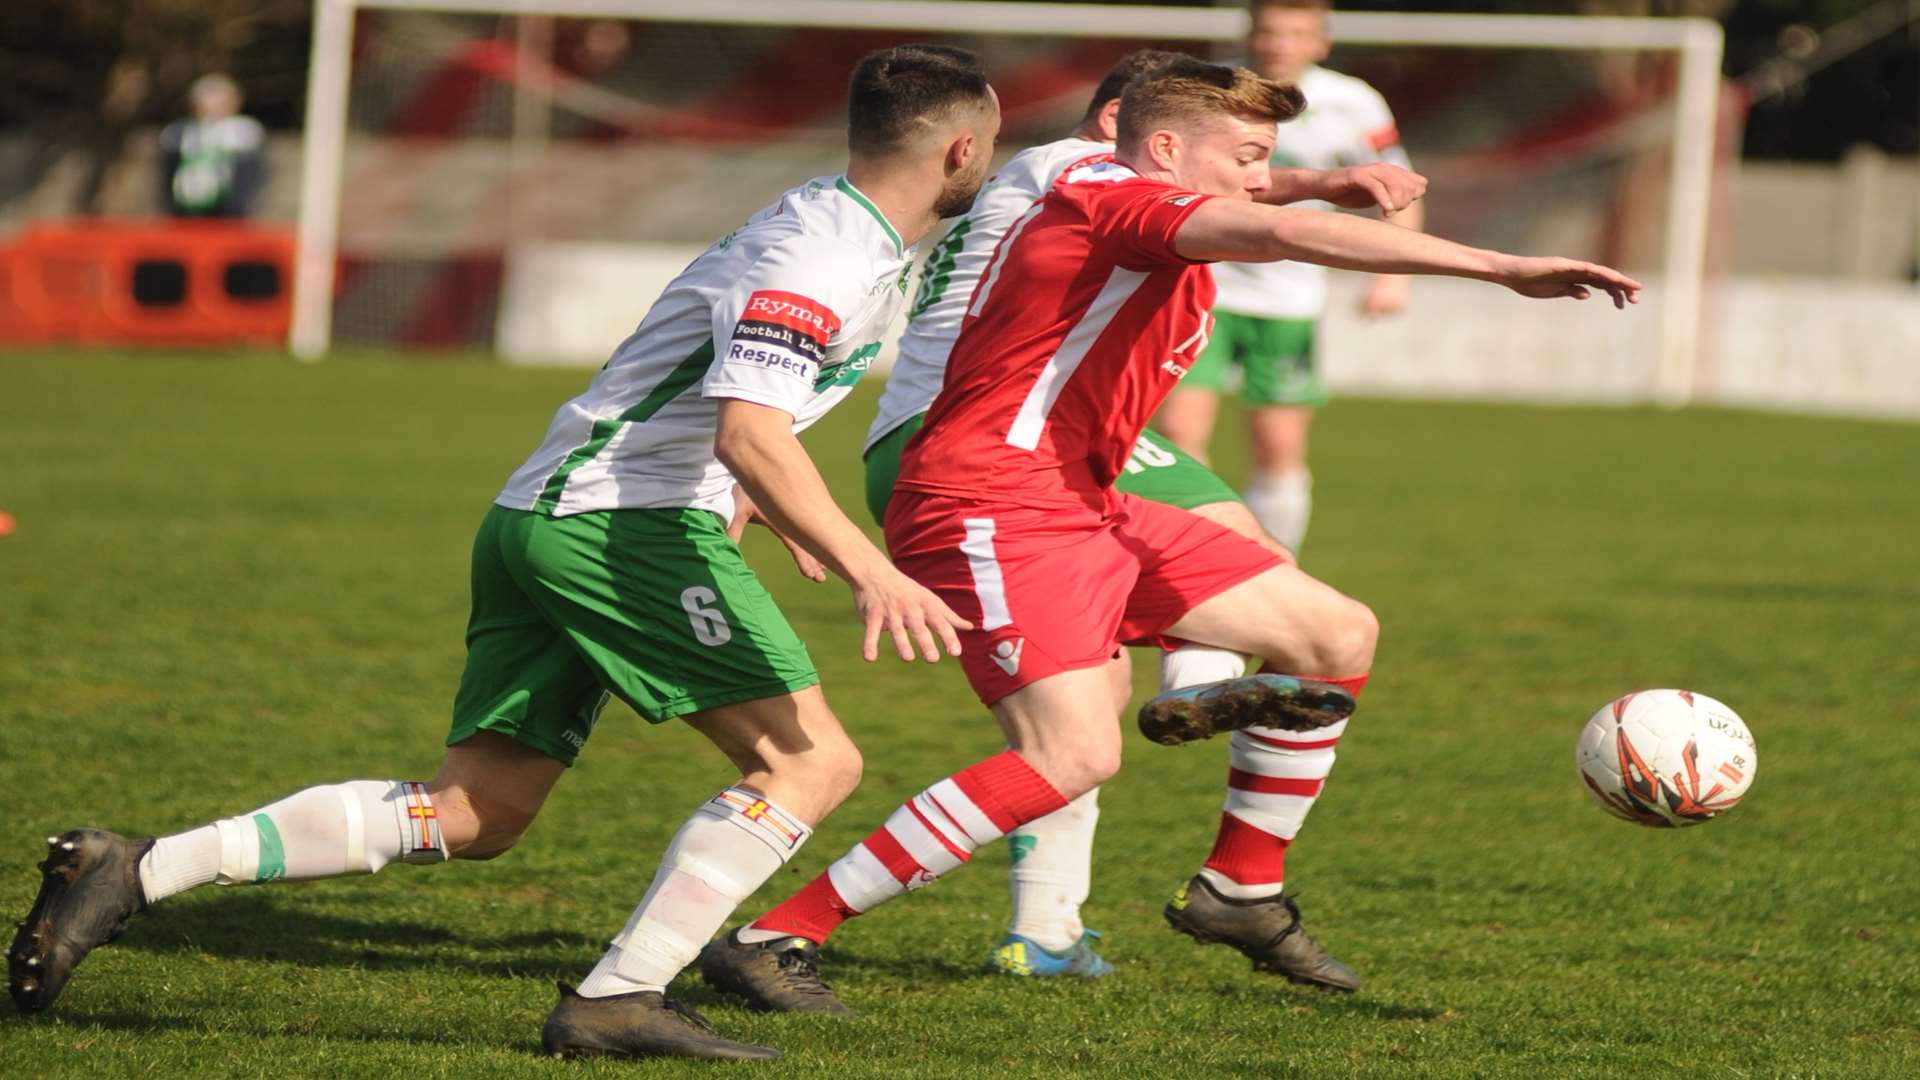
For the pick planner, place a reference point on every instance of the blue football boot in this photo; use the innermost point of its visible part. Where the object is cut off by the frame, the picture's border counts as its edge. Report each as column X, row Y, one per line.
column 1016, row 955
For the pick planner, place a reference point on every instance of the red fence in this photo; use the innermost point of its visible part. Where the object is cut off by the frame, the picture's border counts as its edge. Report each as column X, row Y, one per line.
column 156, row 282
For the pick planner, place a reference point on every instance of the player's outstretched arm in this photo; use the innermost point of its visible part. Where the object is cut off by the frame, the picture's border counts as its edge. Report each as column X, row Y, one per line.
column 1358, row 187
column 757, row 445
column 1231, row 230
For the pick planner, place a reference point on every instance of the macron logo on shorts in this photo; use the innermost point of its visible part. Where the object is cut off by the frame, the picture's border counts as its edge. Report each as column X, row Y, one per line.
column 1007, row 655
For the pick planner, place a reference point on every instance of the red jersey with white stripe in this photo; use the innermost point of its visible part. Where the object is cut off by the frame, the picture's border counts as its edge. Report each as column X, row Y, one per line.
column 1083, row 322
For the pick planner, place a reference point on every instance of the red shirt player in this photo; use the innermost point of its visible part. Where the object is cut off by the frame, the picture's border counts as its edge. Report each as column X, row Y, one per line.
column 1084, row 321
column 1088, row 315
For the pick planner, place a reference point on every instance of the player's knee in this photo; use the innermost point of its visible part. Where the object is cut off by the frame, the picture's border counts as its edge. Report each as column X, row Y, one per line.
column 1355, row 640
column 1101, row 766
column 1089, row 767
column 840, row 770
column 478, row 828
column 820, row 779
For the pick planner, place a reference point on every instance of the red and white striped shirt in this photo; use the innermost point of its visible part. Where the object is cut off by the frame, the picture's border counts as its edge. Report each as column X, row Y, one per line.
column 1083, row 322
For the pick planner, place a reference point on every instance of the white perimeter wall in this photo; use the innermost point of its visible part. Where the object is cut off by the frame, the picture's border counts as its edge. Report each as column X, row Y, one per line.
column 1803, row 344
column 1797, row 343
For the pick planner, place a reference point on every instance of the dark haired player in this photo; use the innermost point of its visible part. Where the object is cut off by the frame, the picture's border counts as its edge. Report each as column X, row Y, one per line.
column 605, row 567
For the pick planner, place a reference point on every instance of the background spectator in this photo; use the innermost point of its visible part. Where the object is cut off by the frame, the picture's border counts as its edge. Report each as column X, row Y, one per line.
column 212, row 163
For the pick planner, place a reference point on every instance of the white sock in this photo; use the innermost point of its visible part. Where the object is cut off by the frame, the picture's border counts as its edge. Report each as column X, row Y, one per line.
column 1052, row 873
column 1196, row 665
column 1282, row 503
column 1233, row 890
column 726, row 850
column 1052, row 857
column 351, row 828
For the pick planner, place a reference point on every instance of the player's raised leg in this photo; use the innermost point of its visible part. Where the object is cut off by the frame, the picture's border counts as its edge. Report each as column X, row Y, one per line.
column 1273, row 777
column 1296, row 623
column 1201, row 690
column 1160, row 471
column 1283, row 696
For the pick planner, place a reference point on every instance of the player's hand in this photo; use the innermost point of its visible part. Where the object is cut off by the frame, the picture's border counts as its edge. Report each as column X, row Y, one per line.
column 1362, row 187
column 893, row 602
column 1386, row 296
column 746, row 513
column 743, row 512
column 1546, row 278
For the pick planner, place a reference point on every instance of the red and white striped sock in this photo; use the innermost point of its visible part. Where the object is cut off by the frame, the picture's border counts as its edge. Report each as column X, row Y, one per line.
column 932, row 833
column 1274, row 779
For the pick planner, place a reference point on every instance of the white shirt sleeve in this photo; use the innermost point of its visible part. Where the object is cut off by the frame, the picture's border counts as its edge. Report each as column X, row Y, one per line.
column 1376, row 135
column 773, row 330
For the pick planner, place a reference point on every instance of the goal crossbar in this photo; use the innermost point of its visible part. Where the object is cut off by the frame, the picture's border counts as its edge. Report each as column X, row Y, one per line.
column 1109, row 20
column 1698, row 42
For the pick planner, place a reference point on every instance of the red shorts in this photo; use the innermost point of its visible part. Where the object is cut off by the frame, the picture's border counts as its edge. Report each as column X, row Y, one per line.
column 1058, row 590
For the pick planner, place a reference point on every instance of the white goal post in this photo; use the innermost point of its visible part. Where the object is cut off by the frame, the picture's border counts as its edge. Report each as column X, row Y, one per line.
column 1697, row 42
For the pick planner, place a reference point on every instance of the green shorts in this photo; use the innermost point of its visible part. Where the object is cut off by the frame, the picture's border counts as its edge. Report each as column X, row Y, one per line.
column 1157, row 470
column 656, row 606
column 1275, row 358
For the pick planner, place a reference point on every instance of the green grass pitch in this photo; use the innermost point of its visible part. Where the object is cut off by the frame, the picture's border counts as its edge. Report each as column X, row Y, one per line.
column 234, row 576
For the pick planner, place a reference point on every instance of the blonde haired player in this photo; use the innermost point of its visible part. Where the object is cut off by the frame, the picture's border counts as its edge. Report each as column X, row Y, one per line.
column 1266, row 317
column 1089, row 313
column 1050, row 865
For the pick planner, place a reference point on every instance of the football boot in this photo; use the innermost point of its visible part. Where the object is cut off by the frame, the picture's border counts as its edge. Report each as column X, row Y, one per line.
column 1017, row 955
column 646, row 1024
column 89, row 888
column 782, row 975
column 1263, row 700
column 1266, row 930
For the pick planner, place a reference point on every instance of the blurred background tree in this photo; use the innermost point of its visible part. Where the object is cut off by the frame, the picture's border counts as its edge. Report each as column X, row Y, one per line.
column 1869, row 95
column 85, row 74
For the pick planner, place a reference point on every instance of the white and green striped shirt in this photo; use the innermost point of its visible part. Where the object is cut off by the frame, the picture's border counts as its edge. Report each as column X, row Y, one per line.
column 953, row 270
column 786, row 311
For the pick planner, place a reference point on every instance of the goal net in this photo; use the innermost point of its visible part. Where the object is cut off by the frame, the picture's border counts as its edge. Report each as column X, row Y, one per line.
column 523, row 176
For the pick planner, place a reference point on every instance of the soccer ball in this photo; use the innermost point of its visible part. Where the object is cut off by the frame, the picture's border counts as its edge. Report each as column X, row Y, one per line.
column 1666, row 758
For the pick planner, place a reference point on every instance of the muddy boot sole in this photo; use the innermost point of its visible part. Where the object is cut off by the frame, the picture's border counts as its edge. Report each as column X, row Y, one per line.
column 1264, row 700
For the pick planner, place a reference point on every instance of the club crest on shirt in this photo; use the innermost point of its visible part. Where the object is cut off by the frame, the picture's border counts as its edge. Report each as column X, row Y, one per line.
column 849, row 371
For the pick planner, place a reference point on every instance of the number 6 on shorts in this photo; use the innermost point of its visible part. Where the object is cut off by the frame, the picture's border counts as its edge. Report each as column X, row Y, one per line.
column 709, row 624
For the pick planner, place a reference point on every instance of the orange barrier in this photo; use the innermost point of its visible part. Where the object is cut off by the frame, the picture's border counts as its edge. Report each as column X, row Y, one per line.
column 156, row 282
